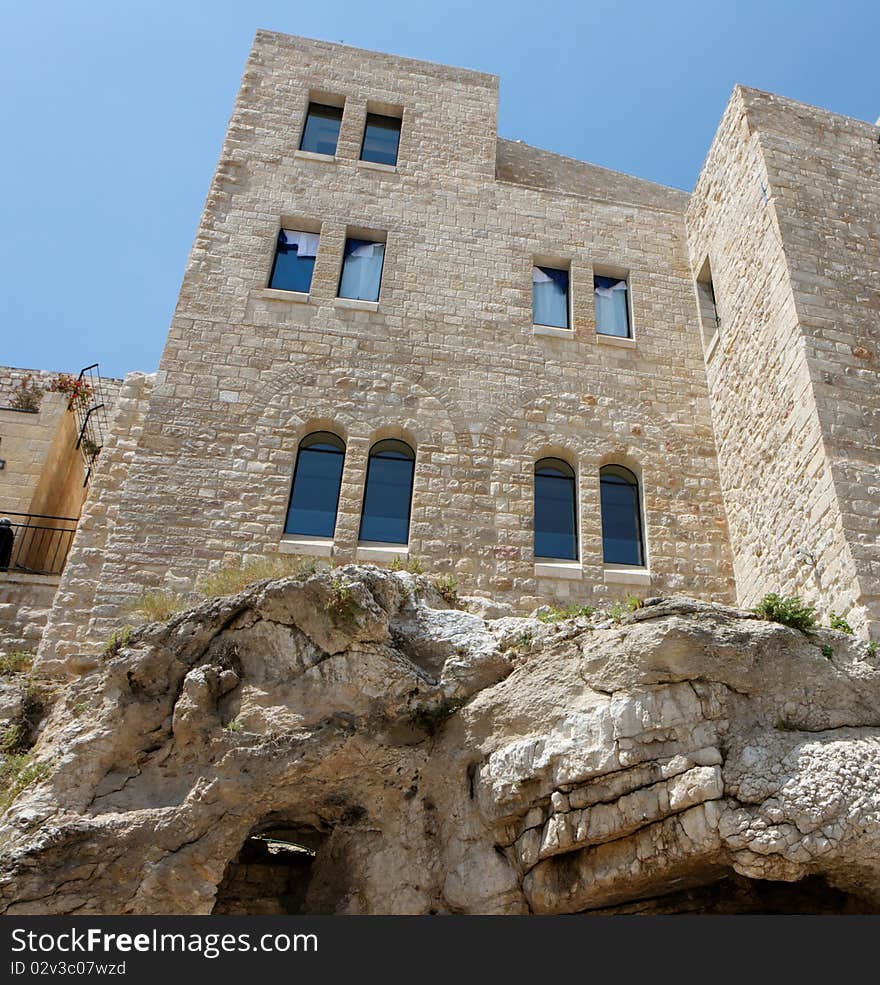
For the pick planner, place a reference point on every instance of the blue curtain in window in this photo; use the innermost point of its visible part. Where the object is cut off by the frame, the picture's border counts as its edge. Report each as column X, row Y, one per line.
column 361, row 270
column 314, row 497
column 294, row 261
column 550, row 297
column 388, row 493
column 612, row 309
column 555, row 510
column 621, row 517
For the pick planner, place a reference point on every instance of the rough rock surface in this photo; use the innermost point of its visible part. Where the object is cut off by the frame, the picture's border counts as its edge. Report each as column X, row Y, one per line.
column 397, row 756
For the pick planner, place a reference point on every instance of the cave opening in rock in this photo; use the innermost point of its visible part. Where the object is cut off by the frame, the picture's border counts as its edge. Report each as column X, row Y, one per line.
column 273, row 873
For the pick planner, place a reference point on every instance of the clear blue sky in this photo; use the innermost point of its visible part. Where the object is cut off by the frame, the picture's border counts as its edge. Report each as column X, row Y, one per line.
column 114, row 113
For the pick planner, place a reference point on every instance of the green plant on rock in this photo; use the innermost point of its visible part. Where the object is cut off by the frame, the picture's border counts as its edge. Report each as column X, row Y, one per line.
column 158, row 606
column 341, row 603
column 839, row 623
column 118, row 640
column 233, row 726
column 873, row 647
column 16, row 662
column 788, row 611
column 447, row 588
column 827, row 650
column 27, row 394
column 18, row 772
column 558, row 614
column 784, row 725
column 234, row 578
column 616, row 611
column 633, row 602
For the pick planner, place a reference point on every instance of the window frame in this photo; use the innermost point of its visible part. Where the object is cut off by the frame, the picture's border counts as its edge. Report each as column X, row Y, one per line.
column 604, row 274
column 641, row 565
column 538, row 263
column 284, row 229
column 358, row 237
column 314, row 102
column 412, row 485
column 382, row 116
column 573, row 479
column 299, row 449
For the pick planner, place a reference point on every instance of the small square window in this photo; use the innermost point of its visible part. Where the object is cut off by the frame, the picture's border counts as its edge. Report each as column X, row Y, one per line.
column 362, row 269
column 381, row 139
column 550, row 297
column 321, row 132
column 294, row 264
column 612, row 306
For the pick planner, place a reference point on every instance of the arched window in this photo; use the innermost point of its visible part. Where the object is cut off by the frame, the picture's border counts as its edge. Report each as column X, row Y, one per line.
column 314, row 495
column 555, row 510
column 622, row 541
column 388, row 493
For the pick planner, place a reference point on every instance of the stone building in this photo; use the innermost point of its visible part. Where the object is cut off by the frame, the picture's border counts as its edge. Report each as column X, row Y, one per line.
column 400, row 336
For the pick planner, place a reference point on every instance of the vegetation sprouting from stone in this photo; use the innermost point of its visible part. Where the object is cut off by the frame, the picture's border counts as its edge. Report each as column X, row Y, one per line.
column 412, row 565
column 839, row 623
column 158, row 606
column 17, row 772
column 16, row 662
column 234, row 578
column 341, row 603
column 447, row 588
column 554, row 614
column 788, row 610
column 118, row 640
column 827, row 650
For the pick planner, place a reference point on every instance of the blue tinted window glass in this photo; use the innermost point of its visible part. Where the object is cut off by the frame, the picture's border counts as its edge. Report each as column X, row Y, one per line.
column 381, row 139
column 321, row 132
column 621, row 518
column 361, row 270
column 388, row 494
column 555, row 511
column 550, row 297
column 294, row 261
column 612, row 307
column 315, row 494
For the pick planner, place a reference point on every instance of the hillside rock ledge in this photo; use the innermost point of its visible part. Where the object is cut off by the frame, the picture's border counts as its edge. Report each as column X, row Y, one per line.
column 347, row 743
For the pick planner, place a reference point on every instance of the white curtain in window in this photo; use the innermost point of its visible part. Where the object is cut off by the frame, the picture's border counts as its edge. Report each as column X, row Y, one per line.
column 550, row 297
column 362, row 270
column 306, row 243
column 612, row 314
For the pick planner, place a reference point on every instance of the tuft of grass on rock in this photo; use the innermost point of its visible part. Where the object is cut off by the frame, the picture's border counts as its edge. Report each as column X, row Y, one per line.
column 16, row 662
column 447, row 588
column 234, row 578
column 557, row 614
column 158, row 606
column 341, row 603
column 18, row 772
column 788, row 611
column 118, row 640
column 839, row 623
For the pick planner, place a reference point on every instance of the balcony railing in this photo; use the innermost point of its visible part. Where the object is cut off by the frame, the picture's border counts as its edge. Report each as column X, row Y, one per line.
column 35, row 544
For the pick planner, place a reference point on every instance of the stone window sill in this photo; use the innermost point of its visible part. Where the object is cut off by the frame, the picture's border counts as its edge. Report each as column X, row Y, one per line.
column 569, row 570
column 553, row 333
column 294, row 297
column 369, row 550
column 626, row 575
column 712, row 348
column 615, row 340
column 313, row 546
column 356, row 305
column 308, row 155
column 376, row 166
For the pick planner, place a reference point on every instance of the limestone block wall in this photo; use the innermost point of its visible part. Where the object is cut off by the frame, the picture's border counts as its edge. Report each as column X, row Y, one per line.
column 447, row 359
column 787, row 526
column 824, row 172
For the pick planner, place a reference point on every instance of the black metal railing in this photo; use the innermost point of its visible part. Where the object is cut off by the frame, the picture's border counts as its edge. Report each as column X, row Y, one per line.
column 35, row 544
column 90, row 408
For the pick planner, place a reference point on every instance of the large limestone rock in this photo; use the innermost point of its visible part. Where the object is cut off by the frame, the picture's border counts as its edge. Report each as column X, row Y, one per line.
column 348, row 744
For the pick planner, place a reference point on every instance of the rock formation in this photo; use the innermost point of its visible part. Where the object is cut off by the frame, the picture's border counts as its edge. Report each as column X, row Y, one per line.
column 347, row 743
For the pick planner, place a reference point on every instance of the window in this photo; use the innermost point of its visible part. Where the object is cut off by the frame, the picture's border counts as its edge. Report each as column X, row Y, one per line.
column 550, row 297
column 555, row 510
column 321, row 132
column 388, row 493
column 294, row 261
column 709, row 320
column 361, row 270
column 381, row 139
column 621, row 516
column 612, row 306
column 314, row 495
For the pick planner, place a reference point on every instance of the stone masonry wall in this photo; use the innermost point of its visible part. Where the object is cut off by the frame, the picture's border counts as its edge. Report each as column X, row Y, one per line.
column 447, row 359
column 824, row 172
column 786, row 526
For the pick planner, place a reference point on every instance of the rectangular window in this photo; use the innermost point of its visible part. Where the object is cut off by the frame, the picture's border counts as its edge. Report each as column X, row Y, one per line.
column 381, row 139
column 294, row 261
column 709, row 320
column 321, row 132
column 612, row 306
column 550, row 297
column 361, row 270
